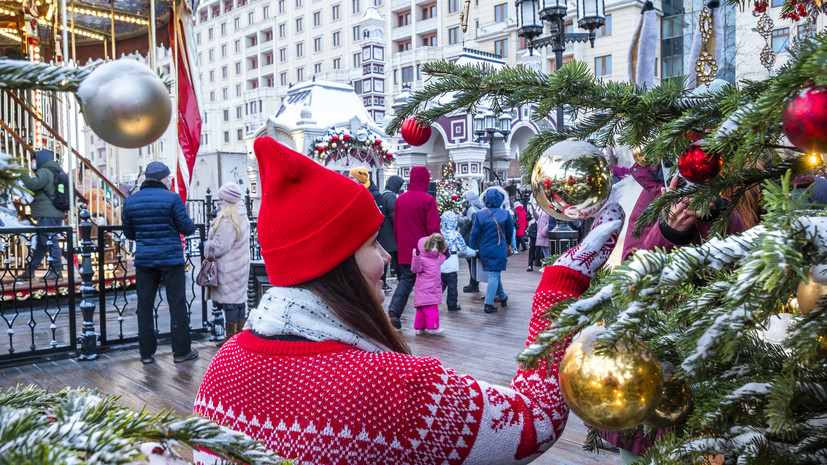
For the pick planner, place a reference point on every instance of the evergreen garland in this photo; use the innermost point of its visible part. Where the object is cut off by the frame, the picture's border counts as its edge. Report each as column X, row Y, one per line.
column 85, row 426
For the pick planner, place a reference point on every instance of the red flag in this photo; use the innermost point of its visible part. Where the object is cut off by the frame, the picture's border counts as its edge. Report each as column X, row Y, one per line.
column 189, row 116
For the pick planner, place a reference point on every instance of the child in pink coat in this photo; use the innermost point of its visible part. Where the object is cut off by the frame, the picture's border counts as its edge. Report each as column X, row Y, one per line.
column 428, row 291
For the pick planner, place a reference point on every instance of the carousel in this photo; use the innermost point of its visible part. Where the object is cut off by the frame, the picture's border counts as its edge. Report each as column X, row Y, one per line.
column 59, row 67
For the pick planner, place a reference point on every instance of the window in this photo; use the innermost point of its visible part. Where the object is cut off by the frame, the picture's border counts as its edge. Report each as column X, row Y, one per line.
column 212, row 76
column 337, row 63
column 672, row 43
column 223, row 28
column 429, row 40
column 569, row 27
column 226, row 115
column 403, row 19
column 252, row 40
column 357, row 60
column 223, row 50
column 603, row 66
column 203, row 16
column 212, row 96
column 298, row 3
column 777, row 3
column 500, row 12
column 228, row 6
column 453, row 6
column 337, row 38
column 237, row 45
column 300, row 74
column 300, row 50
column 403, row 45
column 453, row 35
column 806, row 30
column 240, row 134
column 356, row 33
column 251, row 17
column 253, row 63
column 210, row 34
column 237, row 68
column 780, row 38
column 283, row 78
column 253, row 84
column 317, row 44
column 226, row 136
column 225, row 93
column 265, row 12
column 606, row 29
column 216, row 10
column 268, row 81
column 407, row 74
column 238, row 90
column 282, row 30
column 198, row 39
column 236, row 24
column 317, row 68
column 211, row 54
column 317, row 18
column 356, row 7
column 268, row 35
column 429, row 11
column 335, row 10
column 268, row 58
column 225, row 72
column 238, row 112
column 501, row 47
column 299, row 23
column 357, row 87
column 282, row 6
column 283, row 55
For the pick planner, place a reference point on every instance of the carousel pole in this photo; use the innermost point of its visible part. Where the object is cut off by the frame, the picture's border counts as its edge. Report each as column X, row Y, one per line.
column 152, row 60
column 112, row 27
column 67, row 118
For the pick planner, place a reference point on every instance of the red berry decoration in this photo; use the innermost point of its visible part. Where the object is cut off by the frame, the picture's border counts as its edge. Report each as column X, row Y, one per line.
column 698, row 166
column 805, row 120
column 415, row 133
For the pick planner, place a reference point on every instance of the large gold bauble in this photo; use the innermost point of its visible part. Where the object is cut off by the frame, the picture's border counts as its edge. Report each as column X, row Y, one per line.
column 675, row 401
column 125, row 103
column 612, row 391
column 571, row 180
column 809, row 294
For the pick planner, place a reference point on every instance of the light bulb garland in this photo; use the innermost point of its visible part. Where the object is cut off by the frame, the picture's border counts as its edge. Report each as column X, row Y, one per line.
column 340, row 144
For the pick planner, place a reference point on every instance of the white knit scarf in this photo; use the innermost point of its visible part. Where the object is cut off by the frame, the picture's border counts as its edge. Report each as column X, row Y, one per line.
column 290, row 311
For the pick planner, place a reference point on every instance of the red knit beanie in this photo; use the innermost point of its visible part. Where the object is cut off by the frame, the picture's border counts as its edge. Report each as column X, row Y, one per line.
column 311, row 218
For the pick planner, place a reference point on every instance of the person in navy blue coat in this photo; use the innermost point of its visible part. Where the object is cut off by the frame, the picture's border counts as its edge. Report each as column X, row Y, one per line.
column 155, row 218
column 490, row 235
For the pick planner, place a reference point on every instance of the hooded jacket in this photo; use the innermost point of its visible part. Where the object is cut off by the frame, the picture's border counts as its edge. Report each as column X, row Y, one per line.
column 474, row 204
column 231, row 251
column 154, row 218
column 522, row 219
column 428, row 277
column 377, row 196
column 491, row 241
column 543, row 219
column 456, row 244
column 653, row 235
column 386, row 237
column 415, row 214
column 43, row 185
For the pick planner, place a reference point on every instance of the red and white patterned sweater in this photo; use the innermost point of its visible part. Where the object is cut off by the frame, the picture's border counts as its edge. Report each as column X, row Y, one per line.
column 329, row 403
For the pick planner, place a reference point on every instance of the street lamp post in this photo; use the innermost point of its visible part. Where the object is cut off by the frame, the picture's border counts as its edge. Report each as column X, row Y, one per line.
column 532, row 13
column 486, row 128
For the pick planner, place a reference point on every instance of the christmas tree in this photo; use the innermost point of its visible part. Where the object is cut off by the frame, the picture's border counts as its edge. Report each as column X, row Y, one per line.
column 449, row 191
column 752, row 359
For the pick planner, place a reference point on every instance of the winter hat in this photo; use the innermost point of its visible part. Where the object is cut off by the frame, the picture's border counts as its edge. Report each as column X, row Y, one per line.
column 360, row 173
column 43, row 156
column 298, row 248
column 156, row 170
column 230, row 193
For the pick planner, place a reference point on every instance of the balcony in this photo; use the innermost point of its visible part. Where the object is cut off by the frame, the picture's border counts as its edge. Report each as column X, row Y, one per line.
column 403, row 32
column 426, row 25
column 399, row 5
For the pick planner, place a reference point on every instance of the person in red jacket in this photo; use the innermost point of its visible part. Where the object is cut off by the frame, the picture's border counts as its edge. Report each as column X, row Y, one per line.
column 415, row 216
column 320, row 376
column 522, row 226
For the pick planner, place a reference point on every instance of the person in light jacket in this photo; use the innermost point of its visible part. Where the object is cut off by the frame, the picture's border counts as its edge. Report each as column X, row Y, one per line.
column 228, row 241
column 457, row 246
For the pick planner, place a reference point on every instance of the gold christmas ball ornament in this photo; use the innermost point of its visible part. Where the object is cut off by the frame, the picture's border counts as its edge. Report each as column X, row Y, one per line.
column 809, row 293
column 614, row 390
column 125, row 103
column 571, row 180
column 675, row 401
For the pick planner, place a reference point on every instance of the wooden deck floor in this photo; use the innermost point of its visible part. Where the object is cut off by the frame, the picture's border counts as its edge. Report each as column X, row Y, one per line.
column 474, row 343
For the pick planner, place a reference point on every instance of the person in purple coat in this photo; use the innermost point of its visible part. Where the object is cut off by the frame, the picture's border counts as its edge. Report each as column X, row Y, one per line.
column 428, row 295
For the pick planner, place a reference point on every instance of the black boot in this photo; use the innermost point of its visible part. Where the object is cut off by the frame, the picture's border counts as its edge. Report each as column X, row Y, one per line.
column 473, row 286
column 490, row 309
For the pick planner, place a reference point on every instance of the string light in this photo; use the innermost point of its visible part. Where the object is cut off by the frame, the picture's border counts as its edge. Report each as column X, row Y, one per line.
column 815, row 160
column 10, row 34
column 80, row 32
column 6, row 12
column 123, row 17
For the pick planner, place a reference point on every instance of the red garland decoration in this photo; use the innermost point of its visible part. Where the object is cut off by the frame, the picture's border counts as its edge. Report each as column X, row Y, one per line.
column 697, row 166
column 805, row 120
column 415, row 133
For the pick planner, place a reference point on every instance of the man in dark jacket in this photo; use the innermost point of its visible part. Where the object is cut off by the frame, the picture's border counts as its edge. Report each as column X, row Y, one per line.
column 45, row 214
column 386, row 237
column 154, row 218
column 415, row 216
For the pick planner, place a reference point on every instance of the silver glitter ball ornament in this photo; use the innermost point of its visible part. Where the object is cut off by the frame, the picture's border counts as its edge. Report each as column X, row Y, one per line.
column 571, row 180
column 125, row 103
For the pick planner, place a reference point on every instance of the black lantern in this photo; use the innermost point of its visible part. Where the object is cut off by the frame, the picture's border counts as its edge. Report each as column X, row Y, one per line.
column 591, row 13
column 528, row 20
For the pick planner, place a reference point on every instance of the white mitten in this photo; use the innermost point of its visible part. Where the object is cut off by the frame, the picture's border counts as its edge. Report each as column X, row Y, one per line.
column 589, row 256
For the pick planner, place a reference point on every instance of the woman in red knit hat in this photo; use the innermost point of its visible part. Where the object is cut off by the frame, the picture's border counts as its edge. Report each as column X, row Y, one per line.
column 320, row 375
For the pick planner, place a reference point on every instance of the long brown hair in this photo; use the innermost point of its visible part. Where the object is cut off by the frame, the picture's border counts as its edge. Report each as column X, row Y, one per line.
column 352, row 299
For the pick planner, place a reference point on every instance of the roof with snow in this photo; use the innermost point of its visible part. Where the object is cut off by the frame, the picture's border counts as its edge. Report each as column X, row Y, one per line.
column 372, row 13
column 329, row 104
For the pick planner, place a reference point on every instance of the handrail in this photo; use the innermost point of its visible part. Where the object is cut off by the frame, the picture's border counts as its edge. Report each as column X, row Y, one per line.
column 60, row 139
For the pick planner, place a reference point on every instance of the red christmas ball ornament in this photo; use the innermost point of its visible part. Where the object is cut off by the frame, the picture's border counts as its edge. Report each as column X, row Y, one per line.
column 805, row 120
column 415, row 133
column 346, row 137
column 454, row 197
column 378, row 142
column 698, row 166
column 389, row 156
column 334, row 138
column 320, row 148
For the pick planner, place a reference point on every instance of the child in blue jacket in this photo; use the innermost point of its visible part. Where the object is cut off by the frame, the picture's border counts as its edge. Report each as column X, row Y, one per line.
column 450, row 267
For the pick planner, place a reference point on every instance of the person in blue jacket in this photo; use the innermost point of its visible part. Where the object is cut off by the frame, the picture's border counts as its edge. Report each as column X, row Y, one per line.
column 490, row 236
column 155, row 218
